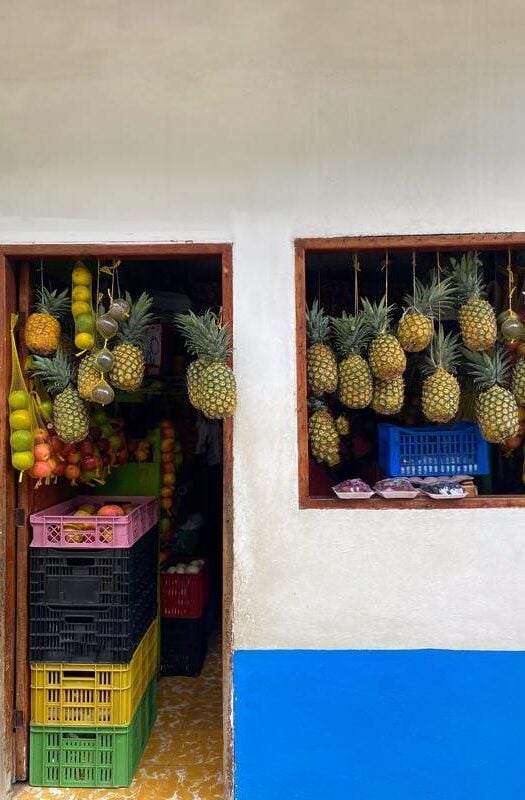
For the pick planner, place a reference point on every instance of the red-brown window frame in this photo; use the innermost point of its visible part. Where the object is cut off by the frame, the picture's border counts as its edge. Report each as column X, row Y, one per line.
column 352, row 244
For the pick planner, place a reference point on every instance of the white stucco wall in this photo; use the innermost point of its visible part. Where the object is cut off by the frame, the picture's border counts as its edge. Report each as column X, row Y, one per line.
column 256, row 123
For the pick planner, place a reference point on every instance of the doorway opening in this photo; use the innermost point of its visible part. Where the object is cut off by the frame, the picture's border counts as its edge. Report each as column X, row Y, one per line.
column 160, row 428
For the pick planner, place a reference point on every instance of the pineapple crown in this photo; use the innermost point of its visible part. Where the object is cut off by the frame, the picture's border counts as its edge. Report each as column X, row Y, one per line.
column 488, row 368
column 352, row 333
column 54, row 303
column 443, row 353
column 432, row 297
column 377, row 315
column 56, row 373
column 134, row 328
column 467, row 276
column 317, row 324
column 205, row 336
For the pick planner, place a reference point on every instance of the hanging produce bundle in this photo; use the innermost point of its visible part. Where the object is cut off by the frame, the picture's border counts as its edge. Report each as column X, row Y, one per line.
column 82, row 307
column 352, row 336
column 70, row 415
column 128, row 368
column 496, row 408
column 385, row 355
column 21, row 422
column 477, row 318
column 43, row 329
column 211, row 382
column 323, row 434
column 441, row 391
column 320, row 359
column 416, row 326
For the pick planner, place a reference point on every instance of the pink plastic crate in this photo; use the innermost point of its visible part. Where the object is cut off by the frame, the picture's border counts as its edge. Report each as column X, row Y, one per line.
column 52, row 526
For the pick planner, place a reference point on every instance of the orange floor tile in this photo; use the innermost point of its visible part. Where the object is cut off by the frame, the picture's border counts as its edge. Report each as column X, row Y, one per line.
column 183, row 759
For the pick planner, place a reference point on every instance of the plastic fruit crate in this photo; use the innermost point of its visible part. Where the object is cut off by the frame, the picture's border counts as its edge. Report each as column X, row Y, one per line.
column 183, row 646
column 93, row 694
column 57, row 527
column 457, row 449
column 97, row 757
column 93, row 577
column 183, row 596
column 91, row 634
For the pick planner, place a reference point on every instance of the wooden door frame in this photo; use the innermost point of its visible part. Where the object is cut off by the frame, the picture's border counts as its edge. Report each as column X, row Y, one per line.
column 7, row 523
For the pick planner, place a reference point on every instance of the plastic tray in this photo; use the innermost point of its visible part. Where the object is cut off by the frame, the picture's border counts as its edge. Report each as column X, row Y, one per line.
column 49, row 525
column 89, row 634
column 183, row 646
column 93, row 694
column 98, row 757
column 184, row 596
column 62, row 577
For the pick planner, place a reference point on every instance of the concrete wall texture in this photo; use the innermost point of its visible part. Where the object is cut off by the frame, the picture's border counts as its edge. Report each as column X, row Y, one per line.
column 257, row 123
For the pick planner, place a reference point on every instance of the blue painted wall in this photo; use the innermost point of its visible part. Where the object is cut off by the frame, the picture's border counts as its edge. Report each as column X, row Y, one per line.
column 379, row 725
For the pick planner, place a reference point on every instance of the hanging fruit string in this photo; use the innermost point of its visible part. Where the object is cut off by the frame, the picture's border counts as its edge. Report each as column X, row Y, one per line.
column 357, row 269
column 414, row 274
column 511, row 280
column 386, row 278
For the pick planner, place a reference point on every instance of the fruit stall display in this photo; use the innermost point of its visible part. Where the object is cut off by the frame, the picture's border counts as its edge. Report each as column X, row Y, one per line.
column 439, row 357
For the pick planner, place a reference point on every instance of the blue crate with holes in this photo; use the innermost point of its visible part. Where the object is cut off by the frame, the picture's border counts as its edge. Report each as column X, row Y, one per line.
column 456, row 449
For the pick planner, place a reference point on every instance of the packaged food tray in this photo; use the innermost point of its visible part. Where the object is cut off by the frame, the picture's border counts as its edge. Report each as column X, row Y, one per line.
column 93, row 694
column 183, row 596
column 183, row 646
column 455, row 449
column 63, row 577
column 91, row 634
column 57, row 527
column 97, row 757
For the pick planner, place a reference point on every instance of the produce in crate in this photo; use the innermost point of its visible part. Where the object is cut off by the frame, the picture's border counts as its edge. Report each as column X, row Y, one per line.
column 497, row 412
column 211, row 383
column 70, row 415
column 386, row 357
column 324, row 438
column 321, row 365
column 43, row 330
column 416, row 326
column 128, row 369
column 352, row 335
column 82, row 308
column 388, row 396
column 477, row 318
column 440, row 391
column 518, row 381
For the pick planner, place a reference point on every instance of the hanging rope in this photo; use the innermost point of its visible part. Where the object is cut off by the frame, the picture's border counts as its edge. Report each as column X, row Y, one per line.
column 42, row 275
column 414, row 276
column 386, row 278
column 511, row 280
column 357, row 269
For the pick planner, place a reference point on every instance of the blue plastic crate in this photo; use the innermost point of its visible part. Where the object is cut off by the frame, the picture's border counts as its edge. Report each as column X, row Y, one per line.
column 457, row 449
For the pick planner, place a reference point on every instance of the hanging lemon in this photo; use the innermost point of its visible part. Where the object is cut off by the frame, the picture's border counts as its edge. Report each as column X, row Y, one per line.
column 20, row 420
column 81, row 293
column 80, row 307
column 18, row 400
column 84, row 341
column 81, row 276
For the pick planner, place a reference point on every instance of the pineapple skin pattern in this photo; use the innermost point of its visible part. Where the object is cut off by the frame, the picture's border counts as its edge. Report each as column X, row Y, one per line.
column 355, row 382
column 128, row 369
column 42, row 334
column 440, row 396
column 324, row 438
column 386, row 357
column 217, row 389
column 497, row 414
column 70, row 416
column 321, row 368
column 87, row 376
column 389, row 396
column 478, row 325
column 414, row 332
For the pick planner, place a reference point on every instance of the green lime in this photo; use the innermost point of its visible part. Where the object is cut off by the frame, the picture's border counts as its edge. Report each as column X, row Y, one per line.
column 84, row 323
column 21, row 440
column 18, row 400
column 23, row 460
column 20, row 420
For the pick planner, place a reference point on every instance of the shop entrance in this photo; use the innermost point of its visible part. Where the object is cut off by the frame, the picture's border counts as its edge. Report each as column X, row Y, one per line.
column 197, row 526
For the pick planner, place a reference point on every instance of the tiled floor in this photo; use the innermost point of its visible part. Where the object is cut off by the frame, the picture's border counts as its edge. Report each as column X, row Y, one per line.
column 183, row 759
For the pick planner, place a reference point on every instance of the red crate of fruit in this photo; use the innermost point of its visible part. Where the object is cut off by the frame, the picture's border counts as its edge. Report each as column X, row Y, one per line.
column 183, row 595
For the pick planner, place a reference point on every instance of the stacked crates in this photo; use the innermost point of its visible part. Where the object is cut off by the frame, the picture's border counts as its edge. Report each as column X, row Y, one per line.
column 184, row 631
column 94, row 642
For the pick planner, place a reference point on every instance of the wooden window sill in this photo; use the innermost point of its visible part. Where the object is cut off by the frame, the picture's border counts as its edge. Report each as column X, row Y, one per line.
column 378, row 503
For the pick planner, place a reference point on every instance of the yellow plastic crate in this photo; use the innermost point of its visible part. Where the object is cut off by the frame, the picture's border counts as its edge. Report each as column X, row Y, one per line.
column 93, row 694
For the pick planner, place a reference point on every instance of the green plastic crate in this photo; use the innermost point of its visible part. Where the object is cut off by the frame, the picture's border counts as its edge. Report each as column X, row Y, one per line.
column 91, row 757
column 135, row 480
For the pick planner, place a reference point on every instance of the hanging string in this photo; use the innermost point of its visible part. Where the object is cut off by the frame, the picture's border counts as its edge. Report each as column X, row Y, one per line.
column 319, row 286
column 386, row 278
column 42, row 275
column 511, row 281
column 357, row 269
column 414, row 276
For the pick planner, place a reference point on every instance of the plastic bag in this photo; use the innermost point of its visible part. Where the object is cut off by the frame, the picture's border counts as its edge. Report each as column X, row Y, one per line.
column 20, row 413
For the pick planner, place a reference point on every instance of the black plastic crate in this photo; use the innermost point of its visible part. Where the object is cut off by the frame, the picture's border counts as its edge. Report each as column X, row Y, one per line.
column 183, row 646
column 61, row 577
column 90, row 634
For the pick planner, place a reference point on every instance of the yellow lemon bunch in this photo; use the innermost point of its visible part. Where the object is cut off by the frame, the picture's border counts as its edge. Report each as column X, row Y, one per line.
column 82, row 308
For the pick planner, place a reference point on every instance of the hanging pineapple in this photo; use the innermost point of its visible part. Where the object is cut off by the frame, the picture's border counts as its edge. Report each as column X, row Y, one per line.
column 320, row 360
column 129, row 366
column 323, row 434
column 211, row 382
column 43, row 330
column 87, row 376
column 70, row 416
column 342, row 425
column 440, row 391
column 496, row 409
column 385, row 355
column 388, row 396
column 416, row 326
column 518, row 382
column 352, row 335
column 477, row 318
